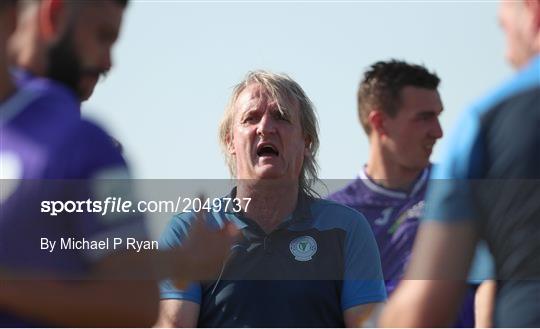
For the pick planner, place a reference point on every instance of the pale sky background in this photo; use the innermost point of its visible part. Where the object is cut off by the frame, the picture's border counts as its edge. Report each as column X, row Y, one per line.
column 176, row 63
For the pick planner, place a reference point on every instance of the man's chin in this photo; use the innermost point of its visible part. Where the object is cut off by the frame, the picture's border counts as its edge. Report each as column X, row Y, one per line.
column 422, row 165
column 269, row 174
column 418, row 164
column 269, row 171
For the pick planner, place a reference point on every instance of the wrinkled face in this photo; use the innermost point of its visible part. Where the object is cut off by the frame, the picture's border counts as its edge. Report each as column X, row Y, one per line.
column 265, row 143
column 515, row 21
column 83, row 54
column 410, row 136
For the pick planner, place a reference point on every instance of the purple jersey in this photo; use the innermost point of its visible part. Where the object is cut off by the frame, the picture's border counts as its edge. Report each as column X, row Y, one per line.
column 46, row 149
column 393, row 216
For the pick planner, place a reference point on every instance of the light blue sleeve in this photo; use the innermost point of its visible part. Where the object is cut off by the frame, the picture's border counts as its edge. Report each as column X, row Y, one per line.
column 483, row 265
column 173, row 236
column 363, row 279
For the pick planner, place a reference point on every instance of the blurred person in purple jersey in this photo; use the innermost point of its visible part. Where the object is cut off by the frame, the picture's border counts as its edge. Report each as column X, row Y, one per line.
column 486, row 189
column 43, row 139
column 398, row 107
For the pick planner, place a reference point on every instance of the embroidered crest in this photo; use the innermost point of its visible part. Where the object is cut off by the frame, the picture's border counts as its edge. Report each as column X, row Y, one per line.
column 303, row 248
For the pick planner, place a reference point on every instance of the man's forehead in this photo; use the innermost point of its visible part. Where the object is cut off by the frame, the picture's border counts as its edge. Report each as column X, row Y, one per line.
column 255, row 92
column 255, row 95
column 420, row 98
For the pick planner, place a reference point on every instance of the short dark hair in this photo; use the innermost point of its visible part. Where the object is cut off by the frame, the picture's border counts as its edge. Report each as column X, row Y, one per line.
column 382, row 84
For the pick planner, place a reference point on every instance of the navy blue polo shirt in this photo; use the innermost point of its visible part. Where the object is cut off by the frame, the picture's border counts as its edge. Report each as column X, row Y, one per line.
column 321, row 261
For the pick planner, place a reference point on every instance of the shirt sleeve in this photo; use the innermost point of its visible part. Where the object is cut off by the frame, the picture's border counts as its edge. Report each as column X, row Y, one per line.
column 483, row 265
column 173, row 236
column 363, row 279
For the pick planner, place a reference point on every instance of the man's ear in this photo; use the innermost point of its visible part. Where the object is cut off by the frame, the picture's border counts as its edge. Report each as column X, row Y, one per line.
column 50, row 18
column 376, row 120
column 307, row 146
column 230, row 144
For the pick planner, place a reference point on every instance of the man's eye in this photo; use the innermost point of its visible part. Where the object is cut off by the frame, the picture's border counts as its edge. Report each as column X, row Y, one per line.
column 282, row 116
column 427, row 116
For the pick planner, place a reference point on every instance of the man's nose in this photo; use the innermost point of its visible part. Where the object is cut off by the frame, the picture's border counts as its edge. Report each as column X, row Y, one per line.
column 266, row 125
column 106, row 61
column 436, row 130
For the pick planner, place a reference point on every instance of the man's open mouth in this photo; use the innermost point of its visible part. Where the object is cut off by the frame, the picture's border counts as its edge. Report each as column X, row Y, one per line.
column 267, row 149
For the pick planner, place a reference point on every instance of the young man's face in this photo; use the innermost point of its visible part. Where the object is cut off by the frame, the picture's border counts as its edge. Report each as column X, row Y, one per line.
column 83, row 54
column 265, row 143
column 515, row 20
column 410, row 136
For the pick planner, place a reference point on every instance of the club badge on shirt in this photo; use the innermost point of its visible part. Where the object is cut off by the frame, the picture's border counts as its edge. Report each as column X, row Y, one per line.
column 303, row 248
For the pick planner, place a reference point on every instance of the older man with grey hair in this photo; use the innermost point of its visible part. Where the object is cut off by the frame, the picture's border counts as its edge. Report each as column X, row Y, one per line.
column 302, row 261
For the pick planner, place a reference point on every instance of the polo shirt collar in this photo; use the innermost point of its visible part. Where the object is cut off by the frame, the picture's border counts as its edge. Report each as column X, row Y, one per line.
column 301, row 213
